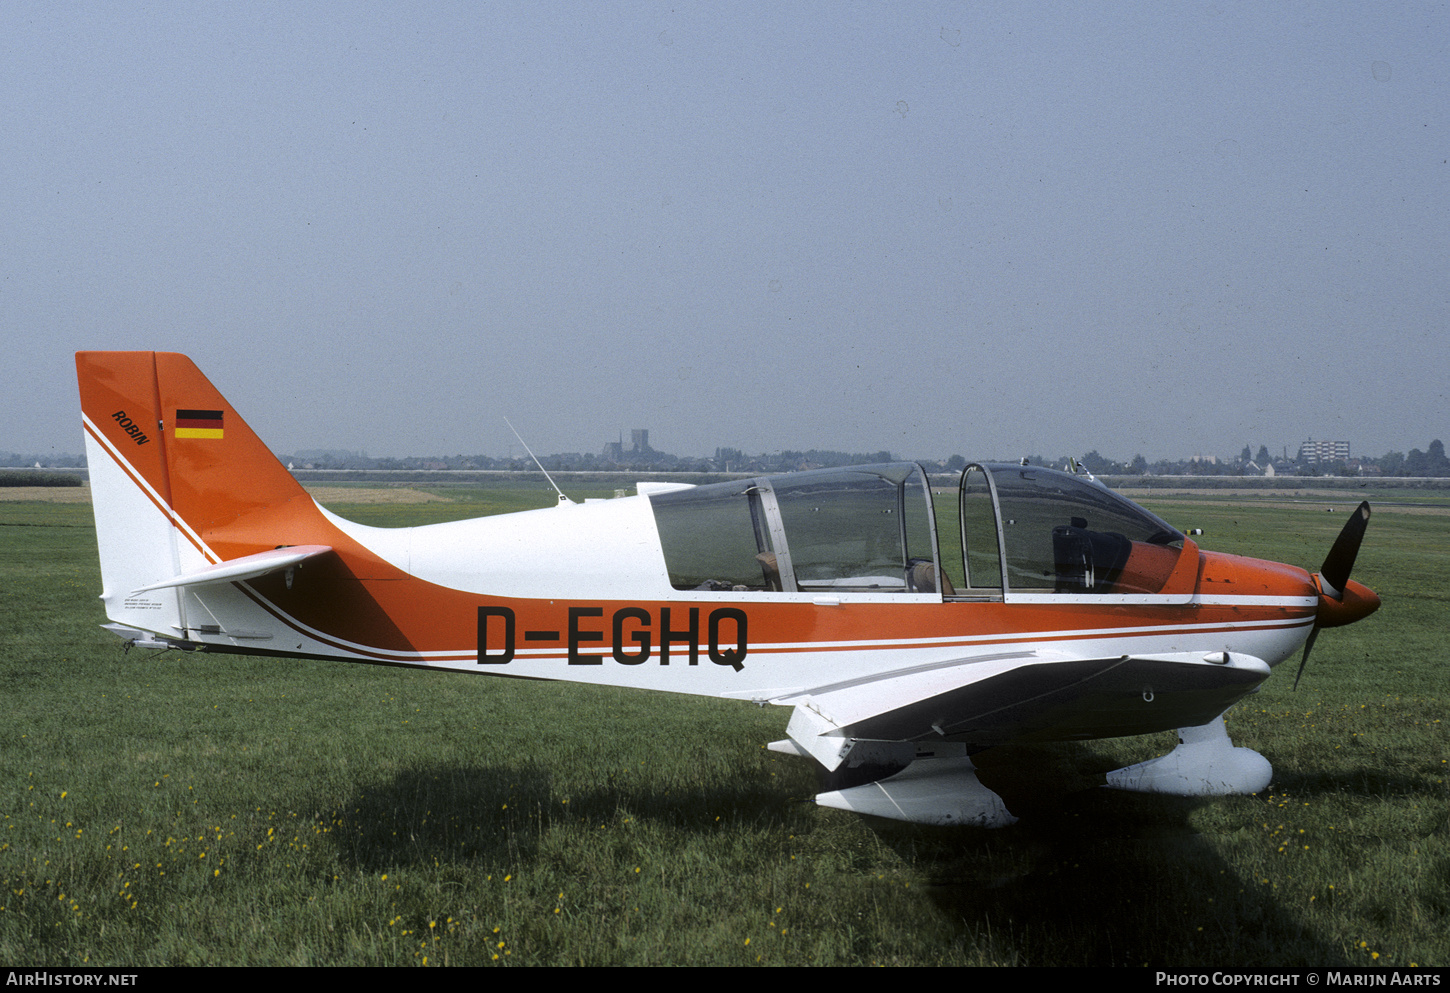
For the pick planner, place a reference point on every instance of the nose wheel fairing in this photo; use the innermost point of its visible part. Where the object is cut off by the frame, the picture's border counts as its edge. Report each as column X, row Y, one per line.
column 1205, row 763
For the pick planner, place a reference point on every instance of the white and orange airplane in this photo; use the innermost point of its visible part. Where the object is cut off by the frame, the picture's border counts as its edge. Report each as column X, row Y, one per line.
column 1045, row 607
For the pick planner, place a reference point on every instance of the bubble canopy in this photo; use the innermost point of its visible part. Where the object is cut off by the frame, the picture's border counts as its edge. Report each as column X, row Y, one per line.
column 877, row 529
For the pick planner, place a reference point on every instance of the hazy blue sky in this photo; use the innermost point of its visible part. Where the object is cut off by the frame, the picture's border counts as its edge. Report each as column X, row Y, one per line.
column 935, row 228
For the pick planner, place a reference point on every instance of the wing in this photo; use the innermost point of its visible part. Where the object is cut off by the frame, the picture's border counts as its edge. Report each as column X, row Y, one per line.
column 925, row 720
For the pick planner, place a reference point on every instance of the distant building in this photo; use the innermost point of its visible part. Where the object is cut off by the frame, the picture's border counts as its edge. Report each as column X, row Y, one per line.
column 614, row 451
column 1317, row 452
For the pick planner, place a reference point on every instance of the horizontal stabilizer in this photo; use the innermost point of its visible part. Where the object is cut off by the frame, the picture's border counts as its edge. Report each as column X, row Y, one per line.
column 242, row 569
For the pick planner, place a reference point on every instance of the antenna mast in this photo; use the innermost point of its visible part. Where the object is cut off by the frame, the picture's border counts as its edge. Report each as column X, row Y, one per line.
column 562, row 498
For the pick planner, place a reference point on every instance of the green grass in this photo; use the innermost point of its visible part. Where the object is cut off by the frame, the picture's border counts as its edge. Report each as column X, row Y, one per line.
column 195, row 809
column 462, row 503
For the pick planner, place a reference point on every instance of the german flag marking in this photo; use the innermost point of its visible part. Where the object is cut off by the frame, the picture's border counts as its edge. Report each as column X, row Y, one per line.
column 198, row 424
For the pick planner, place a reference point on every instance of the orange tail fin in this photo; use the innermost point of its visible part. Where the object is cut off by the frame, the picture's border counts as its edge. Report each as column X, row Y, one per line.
column 179, row 482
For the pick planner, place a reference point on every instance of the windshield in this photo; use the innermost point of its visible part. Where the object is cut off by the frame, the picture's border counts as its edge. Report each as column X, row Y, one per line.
column 1062, row 534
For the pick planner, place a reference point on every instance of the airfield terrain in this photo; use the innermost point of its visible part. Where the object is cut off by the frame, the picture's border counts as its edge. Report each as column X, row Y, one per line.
column 1325, row 499
column 170, row 808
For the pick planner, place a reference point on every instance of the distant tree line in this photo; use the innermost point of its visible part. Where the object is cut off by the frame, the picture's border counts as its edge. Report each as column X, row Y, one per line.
column 725, row 460
column 1431, row 462
column 38, row 477
column 1417, row 463
column 50, row 461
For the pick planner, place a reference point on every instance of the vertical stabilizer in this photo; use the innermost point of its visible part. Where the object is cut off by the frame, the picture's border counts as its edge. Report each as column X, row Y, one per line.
column 178, row 482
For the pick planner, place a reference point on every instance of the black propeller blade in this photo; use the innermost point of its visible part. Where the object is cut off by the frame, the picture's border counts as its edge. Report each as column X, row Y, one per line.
column 1314, row 633
column 1340, row 560
column 1334, row 573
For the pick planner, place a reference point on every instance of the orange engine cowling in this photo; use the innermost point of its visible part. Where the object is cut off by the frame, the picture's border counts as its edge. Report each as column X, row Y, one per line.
column 1354, row 603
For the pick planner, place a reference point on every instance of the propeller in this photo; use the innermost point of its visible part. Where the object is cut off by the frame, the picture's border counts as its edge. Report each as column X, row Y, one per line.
column 1341, row 601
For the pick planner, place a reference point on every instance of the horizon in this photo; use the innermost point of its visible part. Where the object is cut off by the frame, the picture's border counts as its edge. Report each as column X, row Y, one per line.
column 315, row 453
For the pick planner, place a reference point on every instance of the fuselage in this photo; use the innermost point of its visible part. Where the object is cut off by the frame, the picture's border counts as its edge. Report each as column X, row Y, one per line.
column 587, row 593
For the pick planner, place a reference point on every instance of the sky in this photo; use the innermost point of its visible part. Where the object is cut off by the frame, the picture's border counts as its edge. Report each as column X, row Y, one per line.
column 931, row 228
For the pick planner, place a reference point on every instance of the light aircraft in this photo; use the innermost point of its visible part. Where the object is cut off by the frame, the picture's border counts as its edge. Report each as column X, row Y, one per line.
column 1042, row 606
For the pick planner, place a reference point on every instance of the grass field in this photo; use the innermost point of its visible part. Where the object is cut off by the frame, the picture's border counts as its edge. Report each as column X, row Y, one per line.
column 194, row 809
